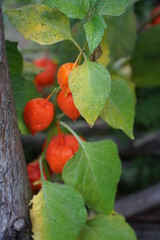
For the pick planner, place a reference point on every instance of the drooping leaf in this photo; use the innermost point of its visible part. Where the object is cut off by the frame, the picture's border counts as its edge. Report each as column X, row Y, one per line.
column 14, row 57
column 94, row 31
column 40, row 23
column 23, row 91
column 104, row 227
column 120, row 35
column 112, row 8
column 146, row 59
column 118, row 110
column 95, row 171
column 73, row 8
column 58, row 212
column 90, row 86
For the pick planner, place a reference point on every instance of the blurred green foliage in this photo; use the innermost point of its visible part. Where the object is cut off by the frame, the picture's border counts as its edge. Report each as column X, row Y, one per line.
column 146, row 58
column 141, row 173
column 148, row 110
column 125, row 37
column 121, row 35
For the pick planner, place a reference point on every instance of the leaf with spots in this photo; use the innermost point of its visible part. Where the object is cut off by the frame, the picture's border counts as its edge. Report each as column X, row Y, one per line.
column 104, row 227
column 40, row 23
column 90, row 85
column 118, row 110
column 95, row 171
column 58, row 212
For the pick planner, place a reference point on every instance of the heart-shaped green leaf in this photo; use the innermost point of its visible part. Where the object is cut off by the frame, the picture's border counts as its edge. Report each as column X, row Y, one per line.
column 94, row 31
column 118, row 110
column 90, row 87
column 40, row 23
column 58, row 212
column 95, row 171
column 107, row 228
column 73, row 8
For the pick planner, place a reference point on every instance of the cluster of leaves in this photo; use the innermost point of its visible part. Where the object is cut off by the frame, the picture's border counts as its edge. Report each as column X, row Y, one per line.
column 92, row 175
column 48, row 25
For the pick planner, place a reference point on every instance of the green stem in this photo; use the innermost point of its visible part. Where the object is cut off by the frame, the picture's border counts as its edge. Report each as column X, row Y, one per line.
column 72, row 131
column 41, row 169
column 85, row 46
column 77, row 59
column 50, row 95
column 76, row 44
column 60, row 116
column 81, row 53
column 46, row 170
column 85, row 57
column 55, row 103
column 42, row 156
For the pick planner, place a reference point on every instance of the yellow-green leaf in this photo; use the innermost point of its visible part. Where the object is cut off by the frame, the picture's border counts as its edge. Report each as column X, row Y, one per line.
column 40, row 23
column 58, row 212
column 90, row 85
column 104, row 227
column 105, row 58
column 118, row 110
column 95, row 171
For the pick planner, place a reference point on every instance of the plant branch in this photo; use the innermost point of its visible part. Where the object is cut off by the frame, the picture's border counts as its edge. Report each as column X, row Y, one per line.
column 76, row 44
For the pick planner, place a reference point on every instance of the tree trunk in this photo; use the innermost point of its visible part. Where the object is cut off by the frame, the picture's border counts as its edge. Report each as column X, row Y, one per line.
column 14, row 186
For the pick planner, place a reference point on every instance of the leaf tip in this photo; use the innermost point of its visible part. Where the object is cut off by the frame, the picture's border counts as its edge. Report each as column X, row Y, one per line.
column 131, row 135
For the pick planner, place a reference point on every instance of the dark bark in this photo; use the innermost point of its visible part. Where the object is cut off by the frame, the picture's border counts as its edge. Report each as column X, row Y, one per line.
column 14, row 186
